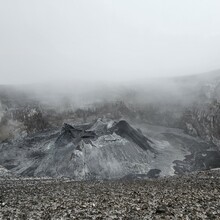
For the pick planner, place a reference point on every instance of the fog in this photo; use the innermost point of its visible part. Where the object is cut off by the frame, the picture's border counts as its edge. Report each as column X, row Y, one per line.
column 106, row 41
column 165, row 92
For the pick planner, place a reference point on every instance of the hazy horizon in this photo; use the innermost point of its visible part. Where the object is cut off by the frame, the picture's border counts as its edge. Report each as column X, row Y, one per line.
column 112, row 41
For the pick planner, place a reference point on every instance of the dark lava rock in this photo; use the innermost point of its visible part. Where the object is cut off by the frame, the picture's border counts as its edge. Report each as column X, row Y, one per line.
column 153, row 173
column 70, row 133
column 161, row 209
column 123, row 129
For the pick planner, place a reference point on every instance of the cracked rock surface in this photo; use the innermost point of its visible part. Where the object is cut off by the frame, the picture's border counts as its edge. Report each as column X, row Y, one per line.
column 193, row 196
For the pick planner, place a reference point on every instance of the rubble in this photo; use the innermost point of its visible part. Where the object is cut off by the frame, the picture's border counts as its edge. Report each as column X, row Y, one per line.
column 194, row 196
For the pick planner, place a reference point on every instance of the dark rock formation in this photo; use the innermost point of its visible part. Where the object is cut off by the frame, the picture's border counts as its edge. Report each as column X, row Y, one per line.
column 204, row 121
column 123, row 129
column 102, row 149
column 154, row 173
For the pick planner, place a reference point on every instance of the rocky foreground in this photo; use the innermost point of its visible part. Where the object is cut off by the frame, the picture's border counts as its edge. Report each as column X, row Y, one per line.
column 194, row 196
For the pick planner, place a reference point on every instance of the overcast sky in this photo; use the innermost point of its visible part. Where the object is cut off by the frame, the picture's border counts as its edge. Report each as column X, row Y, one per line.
column 42, row 40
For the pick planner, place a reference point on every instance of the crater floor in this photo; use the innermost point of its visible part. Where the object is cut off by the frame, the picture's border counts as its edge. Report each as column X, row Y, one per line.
column 193, row 196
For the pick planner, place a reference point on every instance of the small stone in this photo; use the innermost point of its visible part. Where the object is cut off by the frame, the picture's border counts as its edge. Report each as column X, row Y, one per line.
column 161, row 209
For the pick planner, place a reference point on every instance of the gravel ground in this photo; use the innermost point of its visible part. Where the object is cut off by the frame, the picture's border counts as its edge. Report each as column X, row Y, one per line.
column 194, row 196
